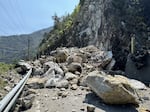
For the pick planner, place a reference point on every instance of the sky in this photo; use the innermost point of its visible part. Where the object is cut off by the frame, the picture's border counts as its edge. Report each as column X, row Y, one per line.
column 27, row 16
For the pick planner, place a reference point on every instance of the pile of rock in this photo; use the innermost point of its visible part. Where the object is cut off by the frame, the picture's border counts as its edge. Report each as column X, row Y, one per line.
column 66, row 67
column 69, row 68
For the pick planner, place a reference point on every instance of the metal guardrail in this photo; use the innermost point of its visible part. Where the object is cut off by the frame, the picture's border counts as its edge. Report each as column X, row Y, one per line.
column 8, row 101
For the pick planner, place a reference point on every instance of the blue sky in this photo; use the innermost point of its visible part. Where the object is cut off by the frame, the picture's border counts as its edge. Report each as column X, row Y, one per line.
column 26, row 16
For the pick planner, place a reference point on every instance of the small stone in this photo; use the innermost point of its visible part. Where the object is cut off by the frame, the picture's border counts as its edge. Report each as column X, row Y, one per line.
column 38, row 94
column 46, row 110
column 12, row 81
column 36, row 83
column 73, row 110
column 70, row 76
column 27, row 104
column 62, row 89
column 54, row 98
column 65, row 94
column 74, row 81
column 77, row 73
column 59, row 93
column 82, row 109
column 88, row 89
column 46, row 95
column 7, row 88
column 62, row 84
column 74, row 87
column 142, row 109
column 82, row 88
column 87, row 66
column 43, row 57
column 90, row 108
column 31, row 91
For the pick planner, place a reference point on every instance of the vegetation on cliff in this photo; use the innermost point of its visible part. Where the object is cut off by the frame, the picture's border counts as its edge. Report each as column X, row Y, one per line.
column 58, row 36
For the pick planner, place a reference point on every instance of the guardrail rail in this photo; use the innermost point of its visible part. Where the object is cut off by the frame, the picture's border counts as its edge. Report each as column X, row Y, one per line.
column 9, row 100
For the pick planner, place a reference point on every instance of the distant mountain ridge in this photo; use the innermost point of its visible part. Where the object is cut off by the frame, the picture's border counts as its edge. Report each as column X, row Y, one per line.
column 15, row 47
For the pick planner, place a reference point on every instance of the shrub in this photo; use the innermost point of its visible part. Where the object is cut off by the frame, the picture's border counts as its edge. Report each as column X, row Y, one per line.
column 5, row 67
column 2, row 83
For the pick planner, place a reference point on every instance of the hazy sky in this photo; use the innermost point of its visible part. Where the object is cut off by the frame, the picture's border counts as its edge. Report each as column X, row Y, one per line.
column 26, row 16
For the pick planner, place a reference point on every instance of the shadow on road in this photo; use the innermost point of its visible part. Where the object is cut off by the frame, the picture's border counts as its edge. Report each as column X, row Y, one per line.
column 93, row 99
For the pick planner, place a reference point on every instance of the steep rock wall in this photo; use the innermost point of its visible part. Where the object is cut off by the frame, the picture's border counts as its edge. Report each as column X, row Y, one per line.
column 101, row 22
column 110, row 24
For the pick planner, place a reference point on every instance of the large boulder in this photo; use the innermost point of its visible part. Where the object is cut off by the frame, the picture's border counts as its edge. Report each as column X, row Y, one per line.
column 53, row 70
column 75, row 67
column 69, row 76
column 37, row 71
column 53, row 66
column 49, row 74
column 56, row 82
column 90, row 49
column 36, row 83
column 26, row 102
column 62, row 84
column 60, row 55
column 51, row 83
column 23, row 66
column 74, row 58
column 112, row 89
column 36, row 63
column 102, row 58
column 49, row 64
column 20, row 70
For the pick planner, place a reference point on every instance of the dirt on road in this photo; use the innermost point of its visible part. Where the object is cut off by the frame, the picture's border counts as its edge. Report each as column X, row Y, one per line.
column 66, row 100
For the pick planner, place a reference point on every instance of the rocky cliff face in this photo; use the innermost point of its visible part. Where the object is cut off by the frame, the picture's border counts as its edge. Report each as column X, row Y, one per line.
column 109, row 25
column 105, row 21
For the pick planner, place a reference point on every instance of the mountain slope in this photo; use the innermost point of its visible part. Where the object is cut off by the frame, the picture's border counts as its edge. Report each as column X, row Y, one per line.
column 13, row 48
column 107, row 24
